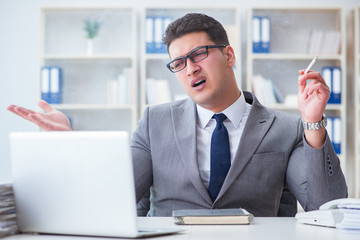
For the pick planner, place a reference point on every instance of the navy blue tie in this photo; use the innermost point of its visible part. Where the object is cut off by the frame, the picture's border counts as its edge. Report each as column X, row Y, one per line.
column 219, row 156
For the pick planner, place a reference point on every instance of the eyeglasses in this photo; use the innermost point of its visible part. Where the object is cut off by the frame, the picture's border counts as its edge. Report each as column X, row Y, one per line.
column 196, row 55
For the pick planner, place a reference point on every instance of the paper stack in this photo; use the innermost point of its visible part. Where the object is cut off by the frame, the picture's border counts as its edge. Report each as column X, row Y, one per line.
column 158, row 91
column 324, row 42
column 8, row 225
column 266, row 91
column 351, row 211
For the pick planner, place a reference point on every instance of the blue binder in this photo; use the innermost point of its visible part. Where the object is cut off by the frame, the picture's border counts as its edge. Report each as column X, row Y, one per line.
column 332, row 77
column 165, row 23
column 326, row 73
column 256, row 22
column 334, row 130
column 336, row 84
column 265, row 34
column 155, row 29
column 158, row 30
column 261, row 34
column 45, row 83
column 337, row 134
column 149, row 34
column 55, row 85
column 51, row 84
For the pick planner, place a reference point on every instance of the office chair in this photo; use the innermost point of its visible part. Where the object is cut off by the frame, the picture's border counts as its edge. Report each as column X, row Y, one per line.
column 288, row 204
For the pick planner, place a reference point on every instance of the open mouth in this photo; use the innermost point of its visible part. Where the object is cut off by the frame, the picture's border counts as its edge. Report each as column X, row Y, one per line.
column 198, row 83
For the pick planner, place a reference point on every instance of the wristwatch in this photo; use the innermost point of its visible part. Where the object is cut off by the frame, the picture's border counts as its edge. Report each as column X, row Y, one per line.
column 315, row 125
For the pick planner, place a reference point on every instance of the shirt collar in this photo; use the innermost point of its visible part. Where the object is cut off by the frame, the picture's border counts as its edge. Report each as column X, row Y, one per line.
column 234, row 113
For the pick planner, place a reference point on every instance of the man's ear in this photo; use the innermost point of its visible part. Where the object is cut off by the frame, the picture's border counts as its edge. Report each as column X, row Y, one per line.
column 230, row 56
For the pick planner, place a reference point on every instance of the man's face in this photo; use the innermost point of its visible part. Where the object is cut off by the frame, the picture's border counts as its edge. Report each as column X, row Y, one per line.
column 210, row 81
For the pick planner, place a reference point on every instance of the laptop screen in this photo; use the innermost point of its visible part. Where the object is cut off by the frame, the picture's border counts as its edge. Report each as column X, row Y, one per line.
column 74, row 183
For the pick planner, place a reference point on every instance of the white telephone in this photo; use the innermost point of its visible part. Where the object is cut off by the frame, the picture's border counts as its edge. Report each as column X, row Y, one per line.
column 328, row 214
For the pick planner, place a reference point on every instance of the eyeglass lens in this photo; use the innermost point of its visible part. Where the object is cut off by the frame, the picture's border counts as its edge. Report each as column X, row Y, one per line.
column 196, row 56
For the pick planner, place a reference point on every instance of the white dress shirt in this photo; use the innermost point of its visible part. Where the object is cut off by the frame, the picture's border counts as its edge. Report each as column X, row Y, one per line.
column 237, row 115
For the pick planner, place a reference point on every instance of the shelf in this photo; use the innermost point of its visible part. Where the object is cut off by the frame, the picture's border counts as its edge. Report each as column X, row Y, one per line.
column 157, row 56
column 289, row 26
column 85, row 57
column 292, row 56
column 336, row 107
column 297, row 8
column 291, row 107
column 91, row 106
column 93, row 77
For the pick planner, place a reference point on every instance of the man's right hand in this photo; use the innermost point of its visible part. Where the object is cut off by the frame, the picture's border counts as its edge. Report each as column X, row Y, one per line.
column 51, row 120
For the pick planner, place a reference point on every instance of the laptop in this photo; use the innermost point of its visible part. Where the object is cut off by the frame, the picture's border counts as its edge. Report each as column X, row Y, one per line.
column 76, row 183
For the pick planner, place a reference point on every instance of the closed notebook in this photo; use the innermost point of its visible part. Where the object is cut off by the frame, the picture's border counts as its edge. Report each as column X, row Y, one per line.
column 213, row 216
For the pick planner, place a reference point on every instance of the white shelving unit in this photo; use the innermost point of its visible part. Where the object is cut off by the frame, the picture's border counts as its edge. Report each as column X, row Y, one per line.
column 153, row 65
column 357, row 101
column 85, row 98
column 291, row 26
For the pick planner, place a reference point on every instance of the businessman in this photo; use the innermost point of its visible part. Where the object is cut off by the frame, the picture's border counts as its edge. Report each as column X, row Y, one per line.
column 221, row 148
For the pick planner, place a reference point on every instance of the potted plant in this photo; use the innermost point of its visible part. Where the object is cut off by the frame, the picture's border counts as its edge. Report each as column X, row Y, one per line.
column 92, row 30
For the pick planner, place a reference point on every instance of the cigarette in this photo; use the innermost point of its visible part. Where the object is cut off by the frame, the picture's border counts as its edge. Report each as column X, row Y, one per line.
column 310, row 65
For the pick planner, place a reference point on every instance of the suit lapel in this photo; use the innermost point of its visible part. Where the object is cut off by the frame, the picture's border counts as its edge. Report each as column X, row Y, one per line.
column 257, row 125
column 184, row 123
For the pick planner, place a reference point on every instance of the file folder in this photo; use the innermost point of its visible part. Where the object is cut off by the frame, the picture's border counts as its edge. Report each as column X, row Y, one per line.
column 55, row 85
column 256, row 35
column 332, row 77
column 334, row 131
column 158, row 30
column 265, row 34
column 166, row 23
column 155, row 29
column 261, row 34
column 329, row 128
column 337, row 134
column 149, row 35
column 336, row 84
column 45, row 84
column 326, row 74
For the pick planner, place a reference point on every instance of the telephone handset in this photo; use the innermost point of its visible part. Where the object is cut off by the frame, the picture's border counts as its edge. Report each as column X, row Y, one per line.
column 334, row 203
column 328, row 214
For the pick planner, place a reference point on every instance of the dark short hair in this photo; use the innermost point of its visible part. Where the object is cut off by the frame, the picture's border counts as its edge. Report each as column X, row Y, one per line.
column 195, row 22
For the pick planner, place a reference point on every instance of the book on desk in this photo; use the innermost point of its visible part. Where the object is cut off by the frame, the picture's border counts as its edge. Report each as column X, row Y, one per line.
column 212, row 216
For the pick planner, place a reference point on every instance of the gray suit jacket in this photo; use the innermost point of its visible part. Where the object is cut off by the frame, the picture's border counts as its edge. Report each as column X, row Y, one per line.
column 272, row 153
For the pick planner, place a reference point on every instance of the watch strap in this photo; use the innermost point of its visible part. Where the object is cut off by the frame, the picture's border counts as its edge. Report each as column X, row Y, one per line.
column 315, row 125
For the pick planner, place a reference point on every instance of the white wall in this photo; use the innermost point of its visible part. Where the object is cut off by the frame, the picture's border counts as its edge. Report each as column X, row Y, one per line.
column 19, row 35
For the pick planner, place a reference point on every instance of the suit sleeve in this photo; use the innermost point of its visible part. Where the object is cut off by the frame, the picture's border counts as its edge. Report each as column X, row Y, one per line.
column 141, row 153
column 314, row 176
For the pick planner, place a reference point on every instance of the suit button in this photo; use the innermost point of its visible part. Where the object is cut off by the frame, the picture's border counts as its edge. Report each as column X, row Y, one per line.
column 331, row 172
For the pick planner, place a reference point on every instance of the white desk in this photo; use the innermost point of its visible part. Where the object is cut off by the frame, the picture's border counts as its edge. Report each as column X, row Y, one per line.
column 260, row 229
